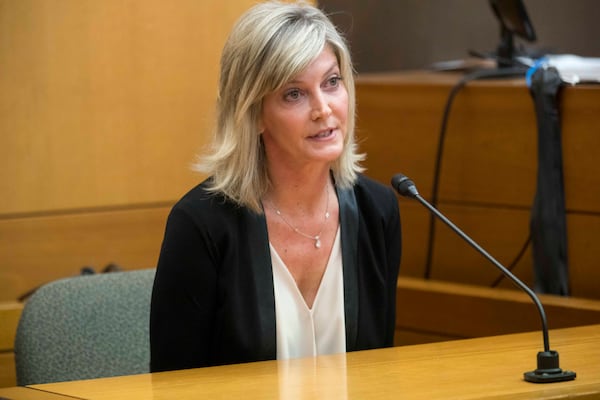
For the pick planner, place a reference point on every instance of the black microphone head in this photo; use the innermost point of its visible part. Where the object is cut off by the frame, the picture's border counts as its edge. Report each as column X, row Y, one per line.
column 404, row 186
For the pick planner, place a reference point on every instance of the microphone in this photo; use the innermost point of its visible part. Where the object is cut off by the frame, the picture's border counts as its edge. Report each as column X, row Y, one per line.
column 548, row 369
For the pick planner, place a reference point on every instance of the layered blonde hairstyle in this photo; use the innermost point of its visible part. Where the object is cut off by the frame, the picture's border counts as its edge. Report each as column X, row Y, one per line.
column 269, row 45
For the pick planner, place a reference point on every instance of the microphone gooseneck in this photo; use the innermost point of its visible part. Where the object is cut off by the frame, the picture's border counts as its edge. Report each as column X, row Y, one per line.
column 547, row 361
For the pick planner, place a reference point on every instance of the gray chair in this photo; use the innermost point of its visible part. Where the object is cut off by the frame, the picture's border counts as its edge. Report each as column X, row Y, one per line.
column 85, row 327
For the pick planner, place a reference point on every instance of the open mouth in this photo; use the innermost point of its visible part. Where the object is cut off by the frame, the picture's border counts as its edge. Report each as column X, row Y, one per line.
column 323, row 134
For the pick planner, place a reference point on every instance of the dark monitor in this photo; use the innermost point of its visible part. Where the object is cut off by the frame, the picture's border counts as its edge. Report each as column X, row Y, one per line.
column 513, row 20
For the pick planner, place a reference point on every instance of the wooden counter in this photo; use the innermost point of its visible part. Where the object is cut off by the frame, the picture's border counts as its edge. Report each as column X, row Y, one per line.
column 484, row 368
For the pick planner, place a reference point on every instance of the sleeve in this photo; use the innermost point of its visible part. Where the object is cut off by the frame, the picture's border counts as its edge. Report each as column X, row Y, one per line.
column 183, row 302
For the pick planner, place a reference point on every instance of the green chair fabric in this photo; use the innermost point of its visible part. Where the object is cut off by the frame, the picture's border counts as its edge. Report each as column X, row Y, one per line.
column 85, row 327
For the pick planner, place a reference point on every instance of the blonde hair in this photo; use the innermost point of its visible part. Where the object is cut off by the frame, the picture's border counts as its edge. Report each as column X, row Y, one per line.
column 268, row 46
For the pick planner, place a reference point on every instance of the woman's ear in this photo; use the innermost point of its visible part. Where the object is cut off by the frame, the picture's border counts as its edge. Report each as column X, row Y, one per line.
column 260, row 123
column 260, row 126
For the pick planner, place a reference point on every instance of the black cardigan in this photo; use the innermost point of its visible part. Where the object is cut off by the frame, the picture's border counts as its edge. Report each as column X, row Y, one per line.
column 213, row 301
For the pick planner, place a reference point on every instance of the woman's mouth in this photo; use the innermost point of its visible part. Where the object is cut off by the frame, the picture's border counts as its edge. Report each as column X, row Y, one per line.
column 323, row 134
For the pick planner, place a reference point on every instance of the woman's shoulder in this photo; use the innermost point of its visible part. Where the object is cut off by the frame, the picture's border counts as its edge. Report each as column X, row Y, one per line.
column 370, row 186
column 374, row 195
column 200, row 192
column 211, row 215
column 202, row 202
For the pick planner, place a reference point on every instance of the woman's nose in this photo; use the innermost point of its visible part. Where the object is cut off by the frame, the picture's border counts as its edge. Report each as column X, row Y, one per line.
column 320, row 108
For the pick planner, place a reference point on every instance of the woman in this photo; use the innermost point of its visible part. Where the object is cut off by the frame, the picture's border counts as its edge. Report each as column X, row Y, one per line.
column 286, row 250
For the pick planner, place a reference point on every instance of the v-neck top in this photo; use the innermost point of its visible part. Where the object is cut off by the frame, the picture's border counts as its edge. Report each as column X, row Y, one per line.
column 303, row 331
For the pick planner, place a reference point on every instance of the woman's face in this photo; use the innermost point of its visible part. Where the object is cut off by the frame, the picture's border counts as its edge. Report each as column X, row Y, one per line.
column 304, row 122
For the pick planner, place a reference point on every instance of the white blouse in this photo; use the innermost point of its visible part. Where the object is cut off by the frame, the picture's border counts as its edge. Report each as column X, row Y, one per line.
column 302, row 331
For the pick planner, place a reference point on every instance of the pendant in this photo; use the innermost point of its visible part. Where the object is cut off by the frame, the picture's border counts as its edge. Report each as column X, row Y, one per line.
column 317, row 242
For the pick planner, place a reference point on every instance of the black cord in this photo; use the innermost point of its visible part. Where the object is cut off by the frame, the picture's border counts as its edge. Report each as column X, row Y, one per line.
column 499, row 60
column 478, row 74
column 513, row 264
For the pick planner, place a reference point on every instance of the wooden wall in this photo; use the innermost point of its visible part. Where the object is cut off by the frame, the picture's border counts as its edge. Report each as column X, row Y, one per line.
column 488, row 174
column 103, row 106
column 391, row 35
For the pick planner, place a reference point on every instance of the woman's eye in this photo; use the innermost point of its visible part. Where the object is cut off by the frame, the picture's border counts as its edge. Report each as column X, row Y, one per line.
column 334, row 81
column 292, row 95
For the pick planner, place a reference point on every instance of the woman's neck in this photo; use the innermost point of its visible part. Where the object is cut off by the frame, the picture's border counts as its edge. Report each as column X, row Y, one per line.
column 302, row 192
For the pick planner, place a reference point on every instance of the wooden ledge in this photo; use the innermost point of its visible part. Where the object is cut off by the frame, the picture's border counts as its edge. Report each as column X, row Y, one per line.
column 429, row 310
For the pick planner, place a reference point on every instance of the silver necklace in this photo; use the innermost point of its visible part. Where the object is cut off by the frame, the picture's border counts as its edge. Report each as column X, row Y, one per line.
column 317, row 237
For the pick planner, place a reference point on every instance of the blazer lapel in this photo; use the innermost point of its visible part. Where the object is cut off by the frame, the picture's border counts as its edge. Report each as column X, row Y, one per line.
column 260, row 264
column 349, row 236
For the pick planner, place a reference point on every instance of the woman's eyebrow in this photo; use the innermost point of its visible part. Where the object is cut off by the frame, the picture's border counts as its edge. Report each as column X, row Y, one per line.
column 333, row 67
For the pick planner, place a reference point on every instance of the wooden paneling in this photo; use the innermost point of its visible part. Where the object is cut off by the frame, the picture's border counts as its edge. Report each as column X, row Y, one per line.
column 9, row 319
column 36, row 250
column 488, row 170
column 431, row 310
column 580, row 112
column 398, row 121
column 8, row 376
column 103, row 107
column 503, row 232
column 105, row 102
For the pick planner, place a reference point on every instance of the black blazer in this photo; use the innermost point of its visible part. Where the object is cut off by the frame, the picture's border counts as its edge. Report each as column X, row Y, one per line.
column 213, row 301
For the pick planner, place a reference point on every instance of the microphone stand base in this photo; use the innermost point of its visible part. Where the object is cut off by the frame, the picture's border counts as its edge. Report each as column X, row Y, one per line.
column 548, row 370
column 543, row 377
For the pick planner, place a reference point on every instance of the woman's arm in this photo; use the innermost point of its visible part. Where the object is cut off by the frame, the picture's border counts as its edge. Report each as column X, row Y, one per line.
column 184, row 296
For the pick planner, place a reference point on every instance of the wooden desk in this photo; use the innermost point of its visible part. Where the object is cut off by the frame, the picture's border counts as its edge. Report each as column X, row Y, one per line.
column 483, row 368
column 488, row 174
column 25, row 393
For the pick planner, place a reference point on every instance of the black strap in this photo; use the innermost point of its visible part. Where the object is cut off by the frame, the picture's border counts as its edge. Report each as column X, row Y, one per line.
column 548, row 216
